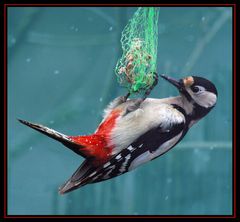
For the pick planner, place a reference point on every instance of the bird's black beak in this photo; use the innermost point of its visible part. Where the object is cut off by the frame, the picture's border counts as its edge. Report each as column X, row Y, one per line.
column 177, row 83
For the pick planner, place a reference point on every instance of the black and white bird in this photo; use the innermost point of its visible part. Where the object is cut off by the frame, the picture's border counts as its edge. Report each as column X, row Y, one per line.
column 135, row 131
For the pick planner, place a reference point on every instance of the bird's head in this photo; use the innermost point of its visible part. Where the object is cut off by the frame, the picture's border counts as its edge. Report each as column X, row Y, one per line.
column 199, row 94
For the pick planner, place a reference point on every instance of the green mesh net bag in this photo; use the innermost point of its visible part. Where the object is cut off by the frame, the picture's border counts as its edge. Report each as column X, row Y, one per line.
column 135, row 69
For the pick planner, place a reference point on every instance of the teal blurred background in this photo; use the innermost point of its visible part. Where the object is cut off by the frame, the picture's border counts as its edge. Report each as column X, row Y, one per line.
column 61, row 74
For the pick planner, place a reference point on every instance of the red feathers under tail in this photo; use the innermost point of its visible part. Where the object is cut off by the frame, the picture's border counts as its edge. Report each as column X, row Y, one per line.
column 92, row 146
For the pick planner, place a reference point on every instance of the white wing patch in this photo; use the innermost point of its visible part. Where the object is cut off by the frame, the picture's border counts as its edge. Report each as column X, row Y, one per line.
column 106, row 164
column 143, row 158
column 123, row 167
column 166, row 146
column 118, row 157
column 170, row 116
column 92, row 174
column 130, row 148
column 147, row 156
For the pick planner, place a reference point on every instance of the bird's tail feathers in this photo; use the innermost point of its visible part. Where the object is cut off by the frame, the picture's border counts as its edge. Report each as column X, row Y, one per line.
column 55, row 135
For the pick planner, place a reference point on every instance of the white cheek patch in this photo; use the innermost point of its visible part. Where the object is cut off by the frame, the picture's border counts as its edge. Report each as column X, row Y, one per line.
column 206, row 99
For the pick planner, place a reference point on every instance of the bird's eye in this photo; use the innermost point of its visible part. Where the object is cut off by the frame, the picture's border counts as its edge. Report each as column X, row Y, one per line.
column 197, row 89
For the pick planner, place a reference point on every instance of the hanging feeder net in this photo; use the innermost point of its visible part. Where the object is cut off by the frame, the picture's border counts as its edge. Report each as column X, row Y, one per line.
column 135, row 69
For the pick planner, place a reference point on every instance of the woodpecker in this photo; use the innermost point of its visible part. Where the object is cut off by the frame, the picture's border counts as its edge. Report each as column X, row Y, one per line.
column 135, row 131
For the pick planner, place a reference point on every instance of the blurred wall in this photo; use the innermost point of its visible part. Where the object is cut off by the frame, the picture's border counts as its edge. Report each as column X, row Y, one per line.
column 61, row 74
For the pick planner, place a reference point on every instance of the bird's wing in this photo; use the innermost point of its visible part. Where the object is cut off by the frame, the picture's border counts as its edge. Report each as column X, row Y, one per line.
column 145, row 148
column 76, row 180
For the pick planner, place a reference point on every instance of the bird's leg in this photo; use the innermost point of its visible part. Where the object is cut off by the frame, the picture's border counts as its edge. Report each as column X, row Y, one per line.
column 138, row 102
column 122, row 99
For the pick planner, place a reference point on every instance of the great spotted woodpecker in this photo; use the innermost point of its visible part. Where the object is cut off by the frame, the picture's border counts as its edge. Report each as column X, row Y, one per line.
column 135, row 131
